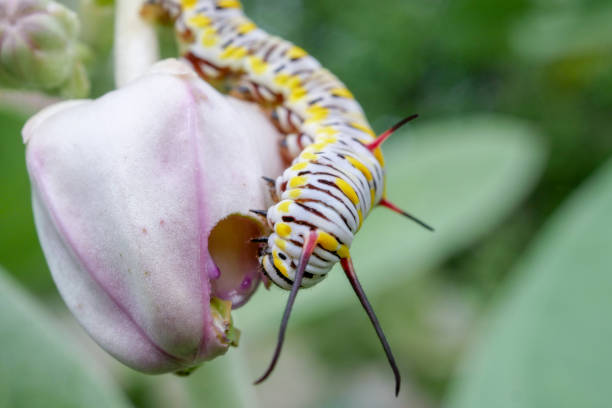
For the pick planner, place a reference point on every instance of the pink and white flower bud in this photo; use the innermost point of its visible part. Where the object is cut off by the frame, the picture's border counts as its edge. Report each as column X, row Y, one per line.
column 141, row 200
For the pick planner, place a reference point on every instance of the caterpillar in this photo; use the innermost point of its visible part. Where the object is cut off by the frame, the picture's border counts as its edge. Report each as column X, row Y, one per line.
column 337, row 170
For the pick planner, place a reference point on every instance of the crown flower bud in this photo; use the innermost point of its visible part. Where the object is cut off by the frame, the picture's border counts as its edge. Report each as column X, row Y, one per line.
column 39, row 48
column 141, row 200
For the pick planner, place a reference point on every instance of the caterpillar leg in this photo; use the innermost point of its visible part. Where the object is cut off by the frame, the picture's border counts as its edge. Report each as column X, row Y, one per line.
column 289, row 123
column 349, row 270
column 271, row 183
column 251, row 91
column 309, row 245
column 263, row 213
column 286, row 120
column 218, row 77
column 293, row 144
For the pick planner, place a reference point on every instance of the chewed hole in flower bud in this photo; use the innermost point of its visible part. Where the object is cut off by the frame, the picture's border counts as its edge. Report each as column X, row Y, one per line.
column 233, row 253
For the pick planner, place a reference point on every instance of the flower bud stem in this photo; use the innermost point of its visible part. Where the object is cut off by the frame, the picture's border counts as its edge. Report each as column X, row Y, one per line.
column 136, row 46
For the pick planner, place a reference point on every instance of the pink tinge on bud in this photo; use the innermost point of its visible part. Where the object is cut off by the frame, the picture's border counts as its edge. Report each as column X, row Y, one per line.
column 141, row 200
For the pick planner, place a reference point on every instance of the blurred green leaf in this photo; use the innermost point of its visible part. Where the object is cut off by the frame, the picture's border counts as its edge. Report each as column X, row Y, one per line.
column 548, row 343
column 223, row 382
column 19, row 248
column 544, row 36
column 41, row 367
column 463, row 176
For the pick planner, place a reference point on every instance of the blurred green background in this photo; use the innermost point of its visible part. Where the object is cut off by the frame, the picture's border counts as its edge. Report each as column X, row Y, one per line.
column 506, row 305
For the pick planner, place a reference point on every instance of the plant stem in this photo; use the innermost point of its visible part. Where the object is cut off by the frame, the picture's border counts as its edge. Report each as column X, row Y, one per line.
column 136, row 47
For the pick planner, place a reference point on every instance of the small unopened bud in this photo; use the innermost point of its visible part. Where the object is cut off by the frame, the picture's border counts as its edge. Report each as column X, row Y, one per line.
column 39, row 47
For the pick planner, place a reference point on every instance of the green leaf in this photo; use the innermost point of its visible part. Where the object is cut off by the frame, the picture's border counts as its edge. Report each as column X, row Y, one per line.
column 40, row 366
column 546, row 36
column 19, row 248
column 223, row 382
column 548, row 343
column 462, row 176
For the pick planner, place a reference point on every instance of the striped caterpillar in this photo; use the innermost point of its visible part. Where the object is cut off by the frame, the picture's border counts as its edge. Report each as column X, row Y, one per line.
column 337, row 170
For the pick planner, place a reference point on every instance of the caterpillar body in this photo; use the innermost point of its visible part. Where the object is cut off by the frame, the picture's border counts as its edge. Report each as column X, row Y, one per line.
column 337, row 173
